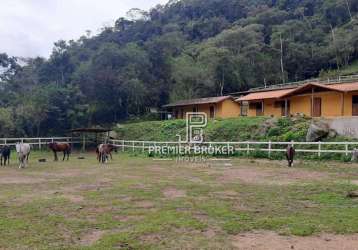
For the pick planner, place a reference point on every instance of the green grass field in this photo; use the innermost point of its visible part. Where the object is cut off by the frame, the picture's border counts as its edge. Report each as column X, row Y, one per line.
column 141, row 203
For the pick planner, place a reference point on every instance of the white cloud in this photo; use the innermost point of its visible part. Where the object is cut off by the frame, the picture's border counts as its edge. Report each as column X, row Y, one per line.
column 29, row 28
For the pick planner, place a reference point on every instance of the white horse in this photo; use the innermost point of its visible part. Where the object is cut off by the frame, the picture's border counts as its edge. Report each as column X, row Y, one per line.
column 23, row 152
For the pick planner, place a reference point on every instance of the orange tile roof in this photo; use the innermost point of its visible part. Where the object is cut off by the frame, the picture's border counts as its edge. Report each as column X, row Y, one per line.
column 198, row 101
column 346, row 87
column 273, row 94
column 308, row 86
column 280, row 93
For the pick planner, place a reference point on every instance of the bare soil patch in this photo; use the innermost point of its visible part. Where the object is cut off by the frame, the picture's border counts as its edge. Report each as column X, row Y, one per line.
column 144, row 204
column 151, row 238
column 21, row 180
column 91, row 237
column 126, row 218
column 74, row 198
column 210, row 233
column 269, row 240
column 355, row 182
column 173, row 193
column 277, row 176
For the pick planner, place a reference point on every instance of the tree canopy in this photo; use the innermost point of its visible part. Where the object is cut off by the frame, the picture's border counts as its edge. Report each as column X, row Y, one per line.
column 185, row 49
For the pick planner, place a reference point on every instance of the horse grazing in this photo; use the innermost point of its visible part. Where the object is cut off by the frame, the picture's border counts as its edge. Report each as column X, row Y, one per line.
column 105, row 150
column 5, row 154
column 60, row 147
column 23, row 152
column 290, row 154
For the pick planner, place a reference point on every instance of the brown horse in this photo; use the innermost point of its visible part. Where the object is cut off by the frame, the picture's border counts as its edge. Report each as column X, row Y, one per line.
column 60, row 147
column 103, row 150
column 290, row 154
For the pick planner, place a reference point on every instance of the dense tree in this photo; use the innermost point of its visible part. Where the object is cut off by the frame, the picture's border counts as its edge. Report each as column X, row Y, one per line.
column 185, row 49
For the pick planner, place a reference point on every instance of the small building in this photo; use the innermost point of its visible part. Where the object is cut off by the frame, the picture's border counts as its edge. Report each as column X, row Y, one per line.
column 310, row 99
column 214, row 107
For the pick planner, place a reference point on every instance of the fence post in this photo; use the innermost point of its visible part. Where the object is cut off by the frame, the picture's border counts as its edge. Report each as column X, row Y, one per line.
column 133, row 146
column 347, row 153
column 5, row 141
column 39, row 143
column 269, row 149
column 248, row 148
column 143, row 146
column 123, row 146
column 319, row 149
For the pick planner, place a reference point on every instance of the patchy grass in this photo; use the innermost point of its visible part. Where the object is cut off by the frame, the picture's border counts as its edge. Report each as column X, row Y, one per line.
column 351, row 69
column 234, row 129
column 140, row 203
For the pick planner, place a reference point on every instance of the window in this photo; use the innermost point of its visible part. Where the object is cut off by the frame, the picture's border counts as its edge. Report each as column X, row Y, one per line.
column 279, row 104
column 252, row 105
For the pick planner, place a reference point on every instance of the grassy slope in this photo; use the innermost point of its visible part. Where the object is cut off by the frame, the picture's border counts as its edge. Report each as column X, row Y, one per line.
column 65, row 205
column 235, row 129
column 351, row 69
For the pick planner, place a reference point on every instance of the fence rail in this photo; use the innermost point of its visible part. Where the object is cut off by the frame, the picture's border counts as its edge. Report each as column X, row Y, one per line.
column 319, row 148
column 42, row 141
column 269, row 147
column 339, row 79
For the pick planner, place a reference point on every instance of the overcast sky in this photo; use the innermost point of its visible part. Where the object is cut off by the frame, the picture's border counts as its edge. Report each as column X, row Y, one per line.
column 29, row 28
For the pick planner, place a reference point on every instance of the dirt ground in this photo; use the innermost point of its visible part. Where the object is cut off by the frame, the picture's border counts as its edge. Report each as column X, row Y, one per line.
column 138, row 203
column 263, row 240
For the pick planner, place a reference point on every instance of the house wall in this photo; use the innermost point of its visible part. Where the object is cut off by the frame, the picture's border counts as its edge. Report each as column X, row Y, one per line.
column 228, row 109
column 348, row 103
column 301, row 104
column 225, row 109
column 270, row 109
column 251, row 111
column 331, row 105
column 185, row 109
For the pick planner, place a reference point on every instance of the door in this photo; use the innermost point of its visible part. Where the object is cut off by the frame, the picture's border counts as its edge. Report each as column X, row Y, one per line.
column 282, row 106
column 195, row 109
column 317, row 107
column 212, row 112
column 355, row 105
column 259, row 109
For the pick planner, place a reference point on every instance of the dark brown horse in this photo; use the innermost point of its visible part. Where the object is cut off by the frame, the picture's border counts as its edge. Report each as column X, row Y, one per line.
column 290, row 154
column 105, row 150
column 5, row 154
column 60, row 147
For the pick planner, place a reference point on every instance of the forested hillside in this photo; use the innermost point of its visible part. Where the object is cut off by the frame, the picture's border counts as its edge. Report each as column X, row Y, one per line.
column 185, row 49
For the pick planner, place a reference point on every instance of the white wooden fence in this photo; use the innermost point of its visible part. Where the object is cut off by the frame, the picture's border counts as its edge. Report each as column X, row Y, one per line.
column 247, row 147
column 40, row 142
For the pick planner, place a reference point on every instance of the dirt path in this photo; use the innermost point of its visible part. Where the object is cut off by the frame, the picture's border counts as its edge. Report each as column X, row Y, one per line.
column 268, row 175
column 269, row 240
